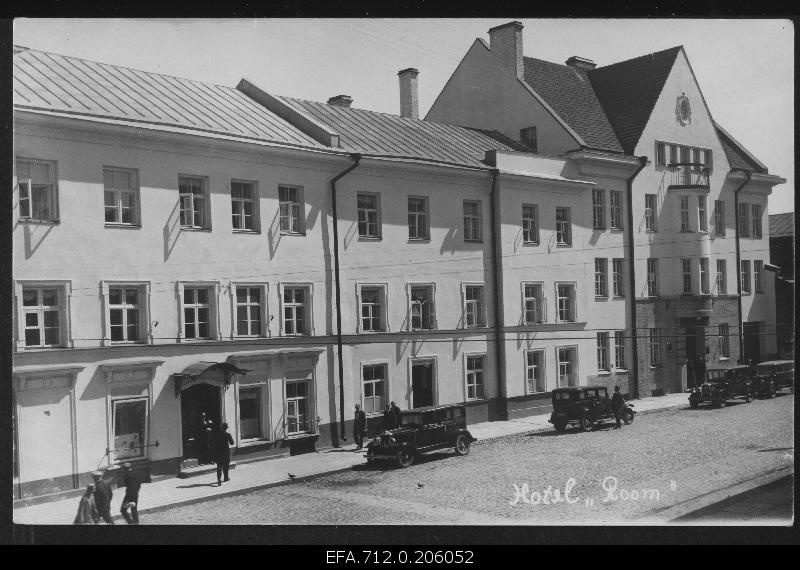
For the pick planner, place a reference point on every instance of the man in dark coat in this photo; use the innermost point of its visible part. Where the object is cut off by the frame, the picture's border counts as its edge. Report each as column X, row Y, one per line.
column 102, row 497
column 222, row 452
column 617, row 405
column 131, row 499
column 205, row 436
column 388, row 418
column 359, row 427
column 87, row 510
column 395, row 414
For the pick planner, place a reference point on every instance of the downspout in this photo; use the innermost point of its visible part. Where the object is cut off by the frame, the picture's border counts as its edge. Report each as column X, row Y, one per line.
column 356, row 160
column 634, row 388
column 740, row 328
column 499, row 319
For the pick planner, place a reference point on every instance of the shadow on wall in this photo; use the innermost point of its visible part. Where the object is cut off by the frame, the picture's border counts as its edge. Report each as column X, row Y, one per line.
column 330, row 357
column 35, row 235
column 274, row 233
column 350, row 234
column 172, row 231
column 449, row 242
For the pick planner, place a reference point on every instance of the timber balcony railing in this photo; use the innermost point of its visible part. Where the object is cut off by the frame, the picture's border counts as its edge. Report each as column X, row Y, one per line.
column 687, row 175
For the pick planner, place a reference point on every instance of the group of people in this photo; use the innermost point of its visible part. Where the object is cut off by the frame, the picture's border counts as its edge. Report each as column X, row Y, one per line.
column 95, row 504
column 391, row 420
column 214, row 446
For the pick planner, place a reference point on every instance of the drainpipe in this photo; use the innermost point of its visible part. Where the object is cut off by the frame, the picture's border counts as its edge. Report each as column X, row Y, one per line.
column 747, row 175
column 632, row 280
column 499, row 319
column 356, row 159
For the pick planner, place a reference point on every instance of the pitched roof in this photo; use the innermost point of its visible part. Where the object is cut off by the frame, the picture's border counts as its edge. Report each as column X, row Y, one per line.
column 781, row 224
column 370, row 132
column 628, row 92
column 570, row 94
column 51, row 82
column 737, row 155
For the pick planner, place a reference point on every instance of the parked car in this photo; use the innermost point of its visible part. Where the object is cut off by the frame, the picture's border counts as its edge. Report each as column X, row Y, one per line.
column 723, row 384
column 584, row 406
column 422, row 430
column 772, row 376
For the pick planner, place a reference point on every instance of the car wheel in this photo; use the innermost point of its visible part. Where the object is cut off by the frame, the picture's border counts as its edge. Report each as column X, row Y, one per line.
column 560, row 426
column 722, row 402
column 694, row 404
column 747, row 397
column 405, row 457
column 772, row 392
column 462, row 444
column 586, row 423
column 627, row 416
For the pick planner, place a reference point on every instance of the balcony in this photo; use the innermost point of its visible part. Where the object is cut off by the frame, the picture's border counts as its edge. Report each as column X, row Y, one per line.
column 687, row 175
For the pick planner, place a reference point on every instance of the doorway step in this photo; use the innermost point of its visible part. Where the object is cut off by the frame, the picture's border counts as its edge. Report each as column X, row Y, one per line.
column 193, row 470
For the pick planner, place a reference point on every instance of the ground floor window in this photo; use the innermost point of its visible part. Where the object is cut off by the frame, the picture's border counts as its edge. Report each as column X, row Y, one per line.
column 534, row 373
column 250, row 412
column 374, row 377
column 129, row 418
column 297, row 407
column 566, row 366
column 475, row 377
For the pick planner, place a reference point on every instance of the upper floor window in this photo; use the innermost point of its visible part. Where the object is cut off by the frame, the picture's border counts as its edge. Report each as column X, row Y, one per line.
column 423, row 315
column 197, row 312
column 598, row 209
column 616, row 209
column 758, row 268
column 373, row 308
column 618, row 271
column 41, row 308
column 705, row 286
column 296, row 310
column 719, row 217
column 534, row 305
column 652, row 277
column 38, row 195
column 244, row 206
column 601, row 277
column 744, row 226
column 528, row 137
column 418, row 227
column 756, row 210
column 602, row 352
column 530, row 223
column 475, row 384
column 684, row 203
column 290, row 202
column 650, row 212
column 472, row 221
column 722, row 279
column 121, row 196
column 195, row 211
column 474, row 310
column 668, row 154
column 745, row 276
column 686, row 271
column 369, row 218
column 701, row 212
column 250, row 306
column 563, row 226
column 565, row 293
column 125, row 313
column 619, row 350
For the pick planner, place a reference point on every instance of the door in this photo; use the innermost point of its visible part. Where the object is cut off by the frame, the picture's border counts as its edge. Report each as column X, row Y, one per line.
column 422, row 384
column 196, row 400
column 752, row 348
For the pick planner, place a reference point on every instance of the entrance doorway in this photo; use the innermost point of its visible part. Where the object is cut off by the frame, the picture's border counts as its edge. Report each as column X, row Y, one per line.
column 421, row 383
column 194, row 401
column 695, row 349
column 752, row 346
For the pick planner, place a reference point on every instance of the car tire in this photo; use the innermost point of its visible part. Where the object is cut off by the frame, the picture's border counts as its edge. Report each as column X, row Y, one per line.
column 722, row 402
column 462, row 444
column 694, row 404
column 560, row 426
column 405, row 457
column 627, row 416
column 586, row 423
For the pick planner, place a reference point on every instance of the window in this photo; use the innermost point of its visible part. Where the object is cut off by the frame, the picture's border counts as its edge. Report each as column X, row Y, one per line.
column 423, row 315
column 530, row 223
column 243, row 206
column 473, row 306
column 673, row 154
column 472, row 221
column 534, row 372
column 125, row 313
column 194, row 203
column 686, row 270
column 616, row 209
column 197, row 312
column 598, row 209
column 722, row 278
column 601, row 277
column 756, row 209
column 296, row 301
column 650, row 212
column 652, row 277
column 566, row 367
column 661, row 154
column 373, row 305
column 745, row 276
column 685, row 214
column 534, row 305
column 618, row 272
column 250, row 412
column 724, row 347
column 42, row 308
column 297, row 407
column 121, row 196
column 655, row 347
column 758, row 267
column 744, row 229
column 719, row 217
column 418, row 218
column 565, row 293
column 705, row 287
column 249, row 310
column 619, row 350
column 369, row 219
column 129, row 417
column 602, row 352
column 701, row 210
column 528, row 137
column 38, row 194
column 373, row 379
column 474, row 377
column 563, row 226
column 291, row 211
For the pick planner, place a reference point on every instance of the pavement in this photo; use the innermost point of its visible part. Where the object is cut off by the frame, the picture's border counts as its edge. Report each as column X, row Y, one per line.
column 247, row 477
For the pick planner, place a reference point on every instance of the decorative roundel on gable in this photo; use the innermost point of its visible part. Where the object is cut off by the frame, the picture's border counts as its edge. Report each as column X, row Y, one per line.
column 683, row 110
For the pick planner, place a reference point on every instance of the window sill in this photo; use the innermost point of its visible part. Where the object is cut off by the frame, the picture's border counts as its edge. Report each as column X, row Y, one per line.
column 473, row 241
column 604, row 373
column 601, row 297
column 251, row 442
column 250, row 337
column 419, row 240
column 370, row 238
column 302, row 435
column 563, row 245
column 654, row 366
column 123, row 226
column 620, row 371
column 618, row 297
column 617, row 230
column 475, row 400
column 197, row 340
column 292, row 335
column 39, row 222
column 253, row 232
column 371, row 332
column 422, row 330
column 530, row 243
column 188, row 229
column 295, row 234
column 651, row 231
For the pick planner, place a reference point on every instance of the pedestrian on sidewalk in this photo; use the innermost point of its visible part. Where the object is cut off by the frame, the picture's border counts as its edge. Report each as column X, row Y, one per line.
column 359, row 427
column 617, row 405
column 395, row 414
column 102, row 497
column 87, row 511
column 130, row 502
column 222, row 452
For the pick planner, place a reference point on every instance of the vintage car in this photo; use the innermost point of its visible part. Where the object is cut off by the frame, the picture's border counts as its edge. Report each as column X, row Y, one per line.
column 723, row 384
column 772, row 376
column 421, row 430
column 584, row 406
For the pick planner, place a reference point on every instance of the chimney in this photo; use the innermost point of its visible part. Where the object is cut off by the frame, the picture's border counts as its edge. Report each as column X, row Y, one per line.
column 505, row 42
column 409, row 98
column 341, row 101
column 581, row 63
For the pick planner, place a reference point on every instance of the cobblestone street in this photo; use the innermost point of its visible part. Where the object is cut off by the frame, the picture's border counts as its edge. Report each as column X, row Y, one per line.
column 659, row 461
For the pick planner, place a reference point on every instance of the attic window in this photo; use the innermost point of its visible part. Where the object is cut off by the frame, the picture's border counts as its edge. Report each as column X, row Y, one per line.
column 528, row 138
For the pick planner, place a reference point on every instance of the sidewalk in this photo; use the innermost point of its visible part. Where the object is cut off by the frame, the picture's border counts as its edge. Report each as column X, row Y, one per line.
column 248, row 477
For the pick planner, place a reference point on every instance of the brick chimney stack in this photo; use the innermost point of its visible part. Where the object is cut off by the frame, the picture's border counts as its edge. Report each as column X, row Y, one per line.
column 505, row 42
column 409, row 97
column 341, row 101
column 581, row 63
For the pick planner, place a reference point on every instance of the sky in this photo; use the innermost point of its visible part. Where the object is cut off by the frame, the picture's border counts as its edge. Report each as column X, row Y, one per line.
column 745, row 68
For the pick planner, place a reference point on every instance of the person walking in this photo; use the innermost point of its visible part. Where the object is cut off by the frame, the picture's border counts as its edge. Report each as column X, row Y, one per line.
column 359, row 427
column 102, row 497
column 395, row 414
column 222, row 452
column 617, row 405
column 130, row 502
column 87, row 511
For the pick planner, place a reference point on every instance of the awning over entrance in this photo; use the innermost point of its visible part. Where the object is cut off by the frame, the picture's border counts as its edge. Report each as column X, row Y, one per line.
column 207, row 372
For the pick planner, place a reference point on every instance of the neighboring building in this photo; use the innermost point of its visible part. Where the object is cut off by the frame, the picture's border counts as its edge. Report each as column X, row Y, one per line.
column 698, row 207
column 781, row 255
